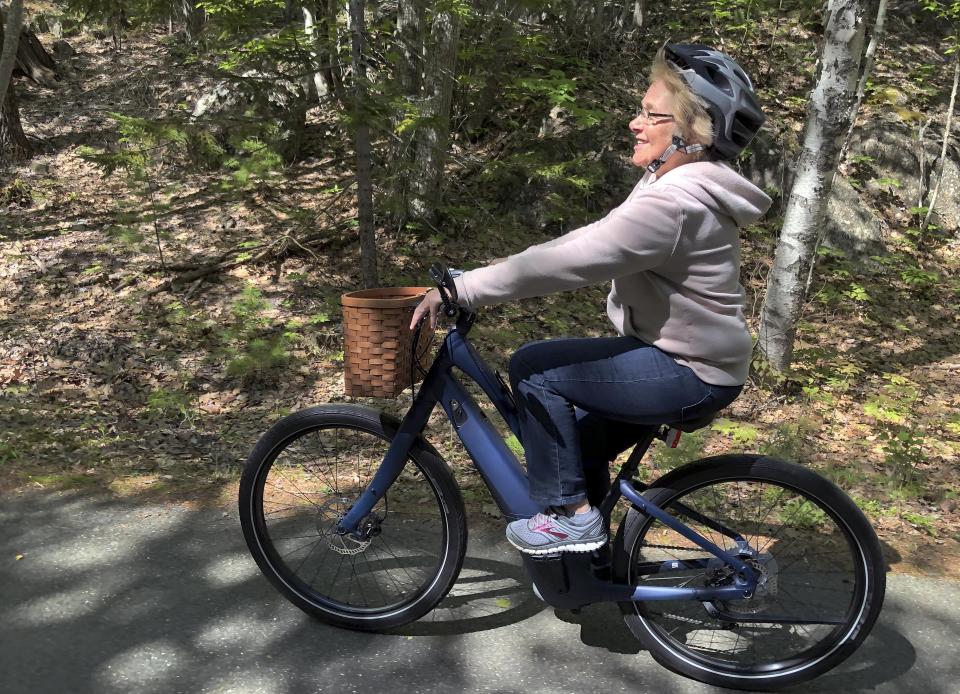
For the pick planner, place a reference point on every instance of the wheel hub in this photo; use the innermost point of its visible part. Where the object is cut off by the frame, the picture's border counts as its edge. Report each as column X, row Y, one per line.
column 719, row 573
column 330, row 514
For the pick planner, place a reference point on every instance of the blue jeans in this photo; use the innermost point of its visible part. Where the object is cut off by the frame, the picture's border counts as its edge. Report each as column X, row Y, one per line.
column 580, row 401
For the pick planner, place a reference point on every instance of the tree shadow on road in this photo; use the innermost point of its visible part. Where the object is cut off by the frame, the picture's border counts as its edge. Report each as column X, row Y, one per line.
column 117, row 595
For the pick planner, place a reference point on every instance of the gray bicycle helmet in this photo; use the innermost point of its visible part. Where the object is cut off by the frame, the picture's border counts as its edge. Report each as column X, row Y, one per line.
column 726, row 91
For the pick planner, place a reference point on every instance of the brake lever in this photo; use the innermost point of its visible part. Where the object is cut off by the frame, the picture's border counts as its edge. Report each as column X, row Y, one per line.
column 444, row 281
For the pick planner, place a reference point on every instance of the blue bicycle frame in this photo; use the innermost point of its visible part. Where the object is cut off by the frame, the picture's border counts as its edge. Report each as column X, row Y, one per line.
column 505, row 477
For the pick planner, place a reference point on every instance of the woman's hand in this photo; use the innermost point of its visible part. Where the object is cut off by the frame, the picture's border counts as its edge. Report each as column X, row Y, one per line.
column 431, row 304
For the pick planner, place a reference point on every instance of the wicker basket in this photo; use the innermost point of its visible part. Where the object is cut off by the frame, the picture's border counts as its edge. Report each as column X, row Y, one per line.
column 377, row 340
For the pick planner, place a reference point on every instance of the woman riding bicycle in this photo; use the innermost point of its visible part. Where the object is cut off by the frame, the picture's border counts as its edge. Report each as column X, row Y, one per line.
column 672, row 251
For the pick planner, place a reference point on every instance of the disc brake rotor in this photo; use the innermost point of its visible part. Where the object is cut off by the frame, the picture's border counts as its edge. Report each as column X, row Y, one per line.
column 764, row 594
column 330, row 513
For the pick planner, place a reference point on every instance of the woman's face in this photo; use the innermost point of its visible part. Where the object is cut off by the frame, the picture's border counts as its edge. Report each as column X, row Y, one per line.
column 654, row 133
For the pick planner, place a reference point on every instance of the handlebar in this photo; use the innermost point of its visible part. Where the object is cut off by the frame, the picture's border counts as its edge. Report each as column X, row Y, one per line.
column 443, row 278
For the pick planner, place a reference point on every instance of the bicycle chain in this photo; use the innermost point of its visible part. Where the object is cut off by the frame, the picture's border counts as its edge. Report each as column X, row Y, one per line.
column 682, row 549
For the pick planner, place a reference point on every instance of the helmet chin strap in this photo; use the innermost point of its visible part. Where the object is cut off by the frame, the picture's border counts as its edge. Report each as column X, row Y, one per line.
column 678, row 145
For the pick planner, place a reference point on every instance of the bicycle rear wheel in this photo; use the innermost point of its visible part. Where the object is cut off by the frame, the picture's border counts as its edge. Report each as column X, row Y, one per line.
column 820, row 565
column 302, row 477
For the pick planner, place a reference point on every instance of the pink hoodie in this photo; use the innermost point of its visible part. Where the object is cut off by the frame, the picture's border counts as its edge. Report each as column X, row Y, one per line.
column 672, row 250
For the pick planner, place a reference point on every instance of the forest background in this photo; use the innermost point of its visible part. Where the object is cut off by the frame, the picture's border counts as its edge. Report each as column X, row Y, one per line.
column 196, row 184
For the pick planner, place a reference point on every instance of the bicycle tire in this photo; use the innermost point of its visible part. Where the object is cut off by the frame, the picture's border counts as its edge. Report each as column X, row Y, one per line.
column 813, row 545
column 296, row 486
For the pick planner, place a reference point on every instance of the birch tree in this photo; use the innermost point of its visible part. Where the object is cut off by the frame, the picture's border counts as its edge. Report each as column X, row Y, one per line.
column 875, row 36
column 946, row 141
column 828, row 117
column 949, row 12
column 361, row 131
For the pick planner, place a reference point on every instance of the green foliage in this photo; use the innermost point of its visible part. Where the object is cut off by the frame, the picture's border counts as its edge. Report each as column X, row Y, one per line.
column 126, row 235
column 790, row 441
column 895, row 402
column 254, row 349
column 742, row 433
column 688, row 449
column 258, row 356
column 253, row 162
column 248, row 309
column 901, row 441
column 857, row 292
column 924, row 523
column 555, row 89
column 164, row 404
column 8, row 453
column 949, row 12
column 143, row 144
column 953, row 424
column 513, row 443
column 283, row 52
column 734, row 15
column 888, row 182
column 802, row 513
column 920, row 279
column 17, row 192
column 249, row 154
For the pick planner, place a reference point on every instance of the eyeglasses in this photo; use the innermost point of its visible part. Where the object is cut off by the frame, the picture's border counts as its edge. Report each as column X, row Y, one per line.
column 651, row 118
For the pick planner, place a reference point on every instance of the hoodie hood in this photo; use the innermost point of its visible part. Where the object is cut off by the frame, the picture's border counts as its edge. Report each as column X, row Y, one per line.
column 719, row 188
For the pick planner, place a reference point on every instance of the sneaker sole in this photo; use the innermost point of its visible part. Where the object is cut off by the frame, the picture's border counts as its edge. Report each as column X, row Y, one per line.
column 575, row 547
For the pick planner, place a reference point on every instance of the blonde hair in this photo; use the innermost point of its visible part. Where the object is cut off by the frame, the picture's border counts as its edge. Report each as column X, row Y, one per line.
column 689, row 112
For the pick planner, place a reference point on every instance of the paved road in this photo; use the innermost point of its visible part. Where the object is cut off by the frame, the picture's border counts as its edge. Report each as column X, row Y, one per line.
column 112, row 596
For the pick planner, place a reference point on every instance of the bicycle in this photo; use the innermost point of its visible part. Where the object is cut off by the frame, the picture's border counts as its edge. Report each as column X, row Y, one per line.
column 736, row 570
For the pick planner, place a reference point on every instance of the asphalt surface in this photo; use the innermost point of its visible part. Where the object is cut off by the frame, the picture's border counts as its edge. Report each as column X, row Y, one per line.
column 114, row 596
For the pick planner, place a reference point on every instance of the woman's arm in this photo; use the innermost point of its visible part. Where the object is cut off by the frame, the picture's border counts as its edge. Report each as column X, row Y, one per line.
column 638, row 235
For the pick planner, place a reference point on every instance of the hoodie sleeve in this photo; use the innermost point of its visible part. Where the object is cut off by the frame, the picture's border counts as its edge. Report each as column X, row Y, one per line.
column 640, row 234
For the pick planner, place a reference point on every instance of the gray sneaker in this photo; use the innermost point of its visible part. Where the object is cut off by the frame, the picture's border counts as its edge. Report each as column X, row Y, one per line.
column 551, row 532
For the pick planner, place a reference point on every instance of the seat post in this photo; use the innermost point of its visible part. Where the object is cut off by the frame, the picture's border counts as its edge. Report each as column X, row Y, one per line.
column 628, row 470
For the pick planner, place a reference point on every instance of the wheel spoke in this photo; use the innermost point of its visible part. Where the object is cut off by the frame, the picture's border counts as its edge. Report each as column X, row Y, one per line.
column 807, row 563
column 309, row 486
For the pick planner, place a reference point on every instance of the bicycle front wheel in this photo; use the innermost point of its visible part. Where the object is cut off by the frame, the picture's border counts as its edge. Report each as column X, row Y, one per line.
column 819, row 561
column 299, row 481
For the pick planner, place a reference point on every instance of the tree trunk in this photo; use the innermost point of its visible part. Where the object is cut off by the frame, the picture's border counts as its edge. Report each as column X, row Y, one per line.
column 410, row 24
column 10, row 31
column 828, row 117
column 943, row 151
column 13, row 143
column 639, row 9
column 431, row 138
column 34, row 63
column 316, row 84
column 502, row 38
column 368, row 242
column 868, row 59
column 194, row 18
column 329, row 38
